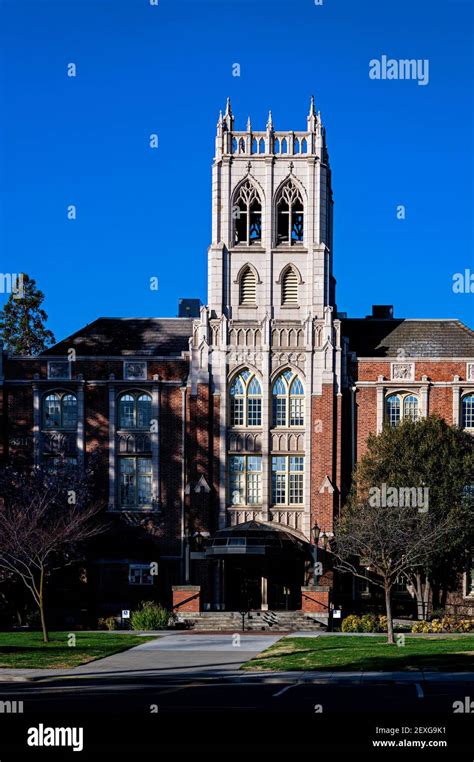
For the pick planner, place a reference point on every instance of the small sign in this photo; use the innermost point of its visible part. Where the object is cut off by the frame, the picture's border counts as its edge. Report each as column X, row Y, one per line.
column 336, row 613
column 125, row 613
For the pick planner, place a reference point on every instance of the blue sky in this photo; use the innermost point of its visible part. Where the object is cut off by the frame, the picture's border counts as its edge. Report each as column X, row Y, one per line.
column 167, row 69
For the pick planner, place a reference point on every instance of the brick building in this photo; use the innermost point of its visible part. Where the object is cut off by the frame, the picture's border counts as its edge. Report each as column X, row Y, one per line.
column 227, row 440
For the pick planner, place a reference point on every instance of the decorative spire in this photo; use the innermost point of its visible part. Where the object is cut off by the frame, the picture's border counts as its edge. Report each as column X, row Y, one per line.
column 270, row 122
column 312, row 119
column 228, row 116
column 249, row 125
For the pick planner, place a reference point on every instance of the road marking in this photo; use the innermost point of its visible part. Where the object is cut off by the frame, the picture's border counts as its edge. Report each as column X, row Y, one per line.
column 419, row 690
column 283, row 690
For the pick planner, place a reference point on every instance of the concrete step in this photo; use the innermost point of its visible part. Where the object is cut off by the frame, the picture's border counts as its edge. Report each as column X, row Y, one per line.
column 268, row 621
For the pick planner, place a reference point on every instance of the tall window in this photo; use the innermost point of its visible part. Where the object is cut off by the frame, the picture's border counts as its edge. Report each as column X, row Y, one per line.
column 288, row 400
column 60, row 411
column 287, row 479
column 290, row 215
column 248, row 287
column 245, row 479
column 246, row 400
column 401, row 407
column 468, row 412
column 135, row 482
column 289, row 287
column 247, row 215
column 134, row 411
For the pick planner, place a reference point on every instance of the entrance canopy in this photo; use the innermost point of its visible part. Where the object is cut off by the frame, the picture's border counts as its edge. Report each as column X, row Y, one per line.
column 255, row 539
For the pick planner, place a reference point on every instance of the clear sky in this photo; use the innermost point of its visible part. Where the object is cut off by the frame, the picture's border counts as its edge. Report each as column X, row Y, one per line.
column 167, row 69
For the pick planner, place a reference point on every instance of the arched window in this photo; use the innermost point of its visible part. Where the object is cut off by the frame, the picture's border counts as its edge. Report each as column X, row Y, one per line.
column 247, row 215
column 401, row 407
column 245, row 400
column 134, row 410
column 289, row 287
column 288, row 400
column 60, row 411
column 468, row 412
column 290, row 215
column 247, row 287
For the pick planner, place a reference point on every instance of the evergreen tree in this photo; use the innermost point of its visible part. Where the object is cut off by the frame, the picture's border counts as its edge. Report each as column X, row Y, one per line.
column 22, row 320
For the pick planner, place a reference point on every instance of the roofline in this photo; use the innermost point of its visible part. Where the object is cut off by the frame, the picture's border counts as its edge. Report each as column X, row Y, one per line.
column 407, row 320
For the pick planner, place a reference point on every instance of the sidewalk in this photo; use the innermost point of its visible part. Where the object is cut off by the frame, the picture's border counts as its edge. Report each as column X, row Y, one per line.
column 169, row 654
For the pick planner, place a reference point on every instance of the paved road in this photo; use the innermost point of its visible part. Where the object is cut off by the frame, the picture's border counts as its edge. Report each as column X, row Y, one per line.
column 174, row 686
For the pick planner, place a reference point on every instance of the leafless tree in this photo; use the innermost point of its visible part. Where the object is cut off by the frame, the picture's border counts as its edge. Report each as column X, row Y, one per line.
column 45, row 515
column 388, row 541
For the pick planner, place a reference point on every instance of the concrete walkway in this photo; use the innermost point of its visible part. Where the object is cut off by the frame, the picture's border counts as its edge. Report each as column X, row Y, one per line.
column 169, row 654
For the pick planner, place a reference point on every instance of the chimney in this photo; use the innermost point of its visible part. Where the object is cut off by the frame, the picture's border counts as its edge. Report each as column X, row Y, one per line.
column 382, row 312
column 189, row 308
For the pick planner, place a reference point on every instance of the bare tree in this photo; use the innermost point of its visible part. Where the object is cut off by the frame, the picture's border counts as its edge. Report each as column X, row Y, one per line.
column 388, row 541
column 44, row 517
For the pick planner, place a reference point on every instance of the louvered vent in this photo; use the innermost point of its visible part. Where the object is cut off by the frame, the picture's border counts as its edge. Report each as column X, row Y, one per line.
column 290, row 288
column 248, row 288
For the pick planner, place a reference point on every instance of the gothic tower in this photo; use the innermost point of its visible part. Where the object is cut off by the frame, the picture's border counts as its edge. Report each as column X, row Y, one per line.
column 268, row 342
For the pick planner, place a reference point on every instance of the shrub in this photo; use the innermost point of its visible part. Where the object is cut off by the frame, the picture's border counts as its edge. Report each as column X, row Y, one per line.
column 446, row 624
column 369, row 623
column 150, row 616
column 421, row 626
column 351, row 623
column 107, row 623
column 365, row 623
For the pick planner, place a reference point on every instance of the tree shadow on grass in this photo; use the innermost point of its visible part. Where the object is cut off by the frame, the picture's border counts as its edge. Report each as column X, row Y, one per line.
column 302, row 660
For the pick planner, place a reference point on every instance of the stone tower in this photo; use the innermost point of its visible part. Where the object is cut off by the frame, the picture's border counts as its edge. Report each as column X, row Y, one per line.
column 268, row 342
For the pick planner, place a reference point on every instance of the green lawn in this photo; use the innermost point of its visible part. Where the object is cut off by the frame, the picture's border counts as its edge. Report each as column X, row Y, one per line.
column 347, row 653
column 27, row 650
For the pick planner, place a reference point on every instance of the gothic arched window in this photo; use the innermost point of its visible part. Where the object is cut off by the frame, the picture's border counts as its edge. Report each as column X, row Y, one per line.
column 60, row 411
column 134, row 411
column 245, row 400
column 247, row 287
column 468, row 412
column 247, row 215
column 290, row 215
column 401, row 407
column 289, row 287
column 288, row 400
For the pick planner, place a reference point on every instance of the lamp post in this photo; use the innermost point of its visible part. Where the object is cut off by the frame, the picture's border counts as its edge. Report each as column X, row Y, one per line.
column 316, row 531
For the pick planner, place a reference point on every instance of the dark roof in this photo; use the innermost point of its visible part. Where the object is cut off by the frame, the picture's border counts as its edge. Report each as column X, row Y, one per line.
column 128, row 336
column 254, row 538
column 417, row 338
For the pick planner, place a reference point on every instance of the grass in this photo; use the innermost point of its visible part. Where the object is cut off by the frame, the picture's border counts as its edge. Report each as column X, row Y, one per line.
column 27, row 650
column 339, row 653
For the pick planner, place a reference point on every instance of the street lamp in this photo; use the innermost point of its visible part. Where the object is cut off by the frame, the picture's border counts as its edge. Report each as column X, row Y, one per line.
column 316, row 531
